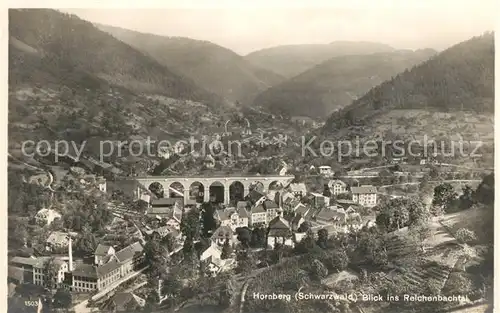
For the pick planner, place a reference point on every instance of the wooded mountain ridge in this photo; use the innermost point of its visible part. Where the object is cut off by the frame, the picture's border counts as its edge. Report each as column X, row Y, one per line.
column 335, row 83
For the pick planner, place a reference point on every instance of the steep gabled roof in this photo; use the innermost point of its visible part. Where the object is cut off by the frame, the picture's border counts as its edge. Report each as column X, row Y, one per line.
column 162, row 202
column 107, row 268
column 223, row 232
column 223, row 215
column 255, row 196
column 129, row 252
column 335, row 182
column 258, row 209
column 123, row 301
column 279, row 222
column 268, row 204
column 242, row 212
column 101, row 250
column 279, row 227
column 85, row 270
column 364, row 189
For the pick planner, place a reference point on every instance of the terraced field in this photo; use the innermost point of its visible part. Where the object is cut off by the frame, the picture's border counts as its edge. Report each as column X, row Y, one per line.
column 420, row 275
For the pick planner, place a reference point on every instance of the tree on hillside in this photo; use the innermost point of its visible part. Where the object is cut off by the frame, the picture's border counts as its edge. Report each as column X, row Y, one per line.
column 322, row 238
column 485, row 192
column 209, row 224
column 465, row 235
column 444, row 195
column 258, row 238
column 326, row 191
column 467, row 198
column 86, row 244
column 393, row 217
column 245, row 262
column 190, row 224
column 62, row 299
column 155, row 256
column 420, row 233
column 458, row 284
column 318, row 269
column 307, row 245
column 226, row 250
column 17, row 234
column 188, row 249
column 244, row 236
column 372, row 246
column 338, row 260
column 51, row 271
column 169, row 242
column 419, row 213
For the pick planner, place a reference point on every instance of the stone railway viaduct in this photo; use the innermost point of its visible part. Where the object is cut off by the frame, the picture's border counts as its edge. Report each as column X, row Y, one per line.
column 184, row 184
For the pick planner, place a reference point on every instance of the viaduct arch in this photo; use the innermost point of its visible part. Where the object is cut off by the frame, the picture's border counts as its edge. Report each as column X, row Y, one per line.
column 201, row 188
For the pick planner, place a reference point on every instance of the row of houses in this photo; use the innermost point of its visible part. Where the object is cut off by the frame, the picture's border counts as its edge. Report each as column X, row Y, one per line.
column 109, row 267
column 364, row 195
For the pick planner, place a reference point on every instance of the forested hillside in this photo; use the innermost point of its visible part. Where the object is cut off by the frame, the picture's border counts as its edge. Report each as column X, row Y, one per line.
column 457, row 79
column 291, row 60
column 336, row 82
column 65, row 41
column 210, row 66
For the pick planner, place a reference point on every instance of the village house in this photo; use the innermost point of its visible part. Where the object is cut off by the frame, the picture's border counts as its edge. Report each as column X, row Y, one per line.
column 34, row 270
column 255, row 198
column 297, row 221
column 258, row 216
column 58, row 240
column 365, row 195
column 221, row 235
column 337, row 187
column 87, row 278
column 329, row 215
column 46, row 216
column 212, row 251
column 301, row 209
column 279, row 232
column 103, row 253
column 271, row 208
column 124, row 302
column 175, row 217
column 325, row 170
column 213, row 265
column 209, row 161
column 318, row 200
column 299, row 190
column 288, row 201
column 163, row 231
column 92, row 180
column 232, row 217
column 347, row 205
column 169, row 209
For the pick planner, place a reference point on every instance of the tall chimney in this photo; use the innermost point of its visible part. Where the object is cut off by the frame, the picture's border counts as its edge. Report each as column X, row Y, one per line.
column 70, row 252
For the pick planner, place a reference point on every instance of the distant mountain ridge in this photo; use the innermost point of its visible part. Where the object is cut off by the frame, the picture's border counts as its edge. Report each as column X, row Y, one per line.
column 335, row 83
column 211, row 66
column 459, row 78
column 291, row 60
column 76, row 43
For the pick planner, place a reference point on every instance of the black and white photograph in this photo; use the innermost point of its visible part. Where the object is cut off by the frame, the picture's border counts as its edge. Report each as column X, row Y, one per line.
column 251, row 159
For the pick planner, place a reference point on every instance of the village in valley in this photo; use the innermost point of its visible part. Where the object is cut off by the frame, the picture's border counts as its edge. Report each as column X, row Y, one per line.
column 163, row 235
column 256, row 216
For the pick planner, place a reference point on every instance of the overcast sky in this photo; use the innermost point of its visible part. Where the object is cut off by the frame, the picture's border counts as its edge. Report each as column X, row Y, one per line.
column 247, row 30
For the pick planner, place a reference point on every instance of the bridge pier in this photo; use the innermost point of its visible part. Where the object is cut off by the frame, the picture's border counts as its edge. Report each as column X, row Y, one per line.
column 206, row 195
column 226, row 194
column 187, row 181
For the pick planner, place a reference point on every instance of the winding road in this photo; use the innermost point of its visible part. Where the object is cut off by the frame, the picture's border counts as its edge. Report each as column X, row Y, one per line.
column 51, row 177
